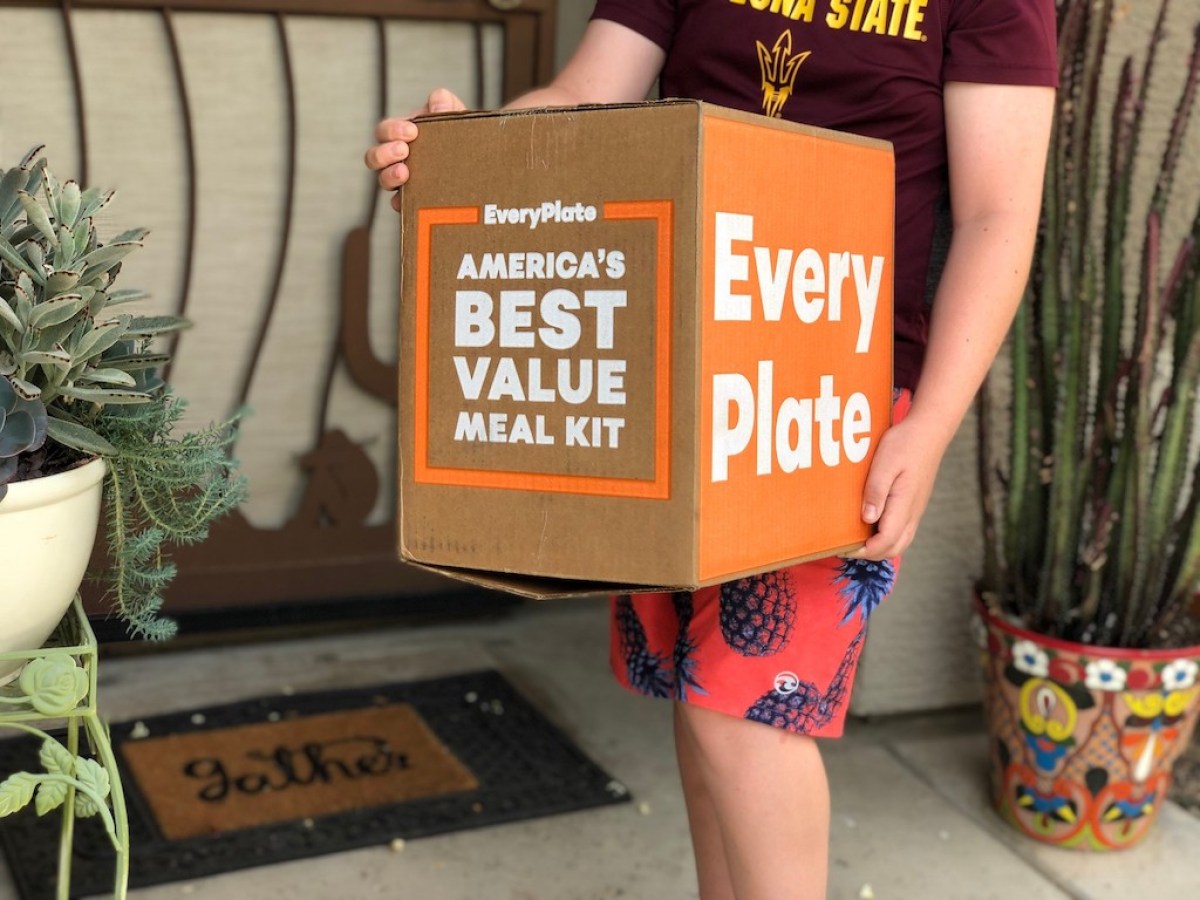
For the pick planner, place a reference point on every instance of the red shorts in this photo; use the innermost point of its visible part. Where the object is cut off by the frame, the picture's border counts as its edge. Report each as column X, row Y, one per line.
column 779, row 648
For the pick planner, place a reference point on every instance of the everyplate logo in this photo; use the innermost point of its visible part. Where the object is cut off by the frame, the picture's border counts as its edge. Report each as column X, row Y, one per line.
column 555, row 211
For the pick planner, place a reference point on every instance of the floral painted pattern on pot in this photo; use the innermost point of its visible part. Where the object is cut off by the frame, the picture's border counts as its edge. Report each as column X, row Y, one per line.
column 1084, row 738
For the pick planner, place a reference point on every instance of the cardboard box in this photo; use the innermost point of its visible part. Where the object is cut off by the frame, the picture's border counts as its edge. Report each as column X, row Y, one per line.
column 643, row 345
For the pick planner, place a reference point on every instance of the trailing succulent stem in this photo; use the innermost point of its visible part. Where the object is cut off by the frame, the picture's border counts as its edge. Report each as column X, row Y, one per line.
column 161, row 491
column 1091, row 516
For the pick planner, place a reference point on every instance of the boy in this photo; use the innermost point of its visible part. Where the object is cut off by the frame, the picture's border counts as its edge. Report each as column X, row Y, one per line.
column 964, row 89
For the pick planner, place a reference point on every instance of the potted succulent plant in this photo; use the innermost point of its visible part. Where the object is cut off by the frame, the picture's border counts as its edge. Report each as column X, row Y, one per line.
column 1089, row 480
column 86, row 424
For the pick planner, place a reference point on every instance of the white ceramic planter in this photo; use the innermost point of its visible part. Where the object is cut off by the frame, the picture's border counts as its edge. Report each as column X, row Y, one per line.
column 47, row 529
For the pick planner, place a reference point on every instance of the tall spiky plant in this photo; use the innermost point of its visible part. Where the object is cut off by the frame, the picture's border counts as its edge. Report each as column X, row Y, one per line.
column 1090, row 517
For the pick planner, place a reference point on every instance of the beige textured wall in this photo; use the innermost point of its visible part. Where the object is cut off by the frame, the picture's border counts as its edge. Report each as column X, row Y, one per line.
column 236, row 86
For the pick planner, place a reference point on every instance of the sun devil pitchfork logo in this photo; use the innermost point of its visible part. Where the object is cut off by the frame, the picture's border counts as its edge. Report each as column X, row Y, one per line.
column 779, row 67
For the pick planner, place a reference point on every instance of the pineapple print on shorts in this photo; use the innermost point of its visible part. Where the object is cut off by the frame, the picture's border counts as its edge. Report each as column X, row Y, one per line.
column 648, row 672
column 757, row 613
column 864, row 584
column 798, row 706
column 685, row 648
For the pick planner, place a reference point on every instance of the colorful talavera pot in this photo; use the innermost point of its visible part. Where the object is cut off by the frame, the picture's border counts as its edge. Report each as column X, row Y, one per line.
column 1083, row 738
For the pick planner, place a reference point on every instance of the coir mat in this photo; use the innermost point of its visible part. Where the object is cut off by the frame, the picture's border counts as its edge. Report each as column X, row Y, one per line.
column 289, row 777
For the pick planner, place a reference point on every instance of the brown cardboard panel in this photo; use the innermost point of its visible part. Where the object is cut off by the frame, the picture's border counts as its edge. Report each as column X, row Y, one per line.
column 474, row 504
column 535, row 587
column 531, row 587
column 566, row 336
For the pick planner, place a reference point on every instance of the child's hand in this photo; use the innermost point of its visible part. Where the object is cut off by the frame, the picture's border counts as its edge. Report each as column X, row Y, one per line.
column 898, row 488
column 394, row 135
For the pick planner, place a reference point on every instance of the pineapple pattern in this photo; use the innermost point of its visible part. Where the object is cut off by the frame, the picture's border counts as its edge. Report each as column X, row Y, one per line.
column 863, row 584
column 799, row 706
column 685, row 648
column 757, row 613
column 647, row 671
column 761, row 648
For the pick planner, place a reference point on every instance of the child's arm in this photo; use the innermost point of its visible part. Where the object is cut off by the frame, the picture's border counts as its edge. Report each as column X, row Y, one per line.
column 613, row 64
column 996, row 137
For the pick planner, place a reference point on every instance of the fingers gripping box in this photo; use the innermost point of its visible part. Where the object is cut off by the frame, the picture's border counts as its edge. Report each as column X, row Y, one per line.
column 644, row 345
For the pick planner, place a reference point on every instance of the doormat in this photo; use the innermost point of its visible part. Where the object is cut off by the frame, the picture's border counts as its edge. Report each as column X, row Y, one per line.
column 288, row 777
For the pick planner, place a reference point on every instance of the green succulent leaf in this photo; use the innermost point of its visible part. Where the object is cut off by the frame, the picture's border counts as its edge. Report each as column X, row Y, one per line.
column 36, row 255
column 22, row 234
column 128, row 295
column 61, row 282
column 56, row 358
column 53, row 337
column 140, row 362
column 69, row 204
column 17, row 433
column 25, row 286
column 27, row 161
column 149, row 326
column 37, row 216
column 133, row 235
column 53, row 192
column 104, row 258
column 111, row 376
column 24, row 389
column 9, row 316
column 97, row 299
column 78, row 437
column 57, row 310
column 101, row 338
column 13, row 180
column 92, row 201
column 37, row 172
column 17, row 261
column 64, row 253
column 103, row 395
column 85, row 236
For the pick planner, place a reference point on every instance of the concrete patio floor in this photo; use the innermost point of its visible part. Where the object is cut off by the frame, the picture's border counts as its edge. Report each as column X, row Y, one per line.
column 910, row 815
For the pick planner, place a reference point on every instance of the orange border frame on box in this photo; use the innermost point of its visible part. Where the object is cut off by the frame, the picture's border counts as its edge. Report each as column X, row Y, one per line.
column 656, row 488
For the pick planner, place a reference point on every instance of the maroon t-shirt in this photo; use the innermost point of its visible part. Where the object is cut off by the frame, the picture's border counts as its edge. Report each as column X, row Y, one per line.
column 871, row 67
